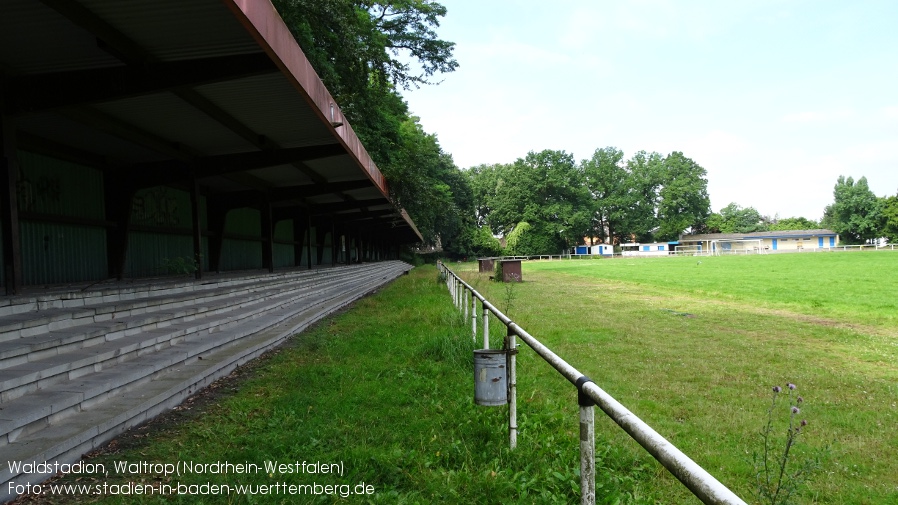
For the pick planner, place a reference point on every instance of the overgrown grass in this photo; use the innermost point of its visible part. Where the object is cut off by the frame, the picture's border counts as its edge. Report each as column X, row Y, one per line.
column 385, row 389
column 693, row 346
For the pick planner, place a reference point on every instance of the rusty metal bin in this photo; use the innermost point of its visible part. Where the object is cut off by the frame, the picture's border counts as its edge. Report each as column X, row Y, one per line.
column 490, row 379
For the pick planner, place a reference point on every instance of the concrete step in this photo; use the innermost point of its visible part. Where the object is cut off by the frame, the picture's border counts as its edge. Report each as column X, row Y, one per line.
column 63, row 421
column 143, row 313
column 84, row 308
column 129, row 337
column 78, row 296
column 71, row 395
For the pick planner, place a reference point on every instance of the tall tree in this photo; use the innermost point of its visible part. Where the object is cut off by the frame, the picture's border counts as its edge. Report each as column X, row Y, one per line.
column 425, row 181
column 608, row 183
column 855, row 211
column 684, row 201
column 646, row 173
column 364, row 50
column 889, row 208
column 485, row 181
column 546, row 190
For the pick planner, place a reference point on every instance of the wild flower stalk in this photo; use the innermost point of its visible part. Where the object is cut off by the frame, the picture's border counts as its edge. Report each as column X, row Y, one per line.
column 776, row 483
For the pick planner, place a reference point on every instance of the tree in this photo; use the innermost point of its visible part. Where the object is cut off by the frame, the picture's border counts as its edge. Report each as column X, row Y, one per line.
column 352, row 43
column 608, row 183
column 364, row 50
column 735, row 219
column 684, row 201
column 889, row 217
column 485, row 181
column 425, row 181
column 793, row 223
column 546, row 190
column 646, row 171
column 855, row 211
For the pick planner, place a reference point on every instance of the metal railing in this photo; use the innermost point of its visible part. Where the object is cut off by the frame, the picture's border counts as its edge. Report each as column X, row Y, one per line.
column 701, row 483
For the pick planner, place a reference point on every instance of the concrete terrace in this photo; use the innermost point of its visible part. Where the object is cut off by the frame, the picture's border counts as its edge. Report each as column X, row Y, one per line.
column 79, row 366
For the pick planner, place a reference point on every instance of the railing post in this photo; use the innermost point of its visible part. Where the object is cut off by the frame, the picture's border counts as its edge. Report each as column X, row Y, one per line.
column 486, row 326
column 473, row 317
column 511, row 351
column 464, row 301
column 587, row 444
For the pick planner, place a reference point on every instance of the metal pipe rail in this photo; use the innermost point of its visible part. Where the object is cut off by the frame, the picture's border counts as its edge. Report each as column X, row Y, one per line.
column 701, row 483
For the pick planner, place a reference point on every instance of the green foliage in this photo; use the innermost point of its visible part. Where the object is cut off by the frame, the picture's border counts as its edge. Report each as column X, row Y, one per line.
column 889, row 216
column 420, row 174
column 793, row 223
column 684, row 201
column 602, row 197
column 357, row 49
column 514, row 241
column 180, row 265
column 609, row 185
column 352, row 43
column 735, row 219
column 855, row 211
column 544, row 189
column 474, row 241
column 641, row 217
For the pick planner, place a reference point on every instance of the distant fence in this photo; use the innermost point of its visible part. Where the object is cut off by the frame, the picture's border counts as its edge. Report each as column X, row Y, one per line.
column 702, row 484
column 695, row 252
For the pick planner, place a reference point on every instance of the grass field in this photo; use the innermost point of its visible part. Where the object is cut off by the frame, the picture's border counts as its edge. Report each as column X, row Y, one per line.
column 694, row 345
column 692, row 348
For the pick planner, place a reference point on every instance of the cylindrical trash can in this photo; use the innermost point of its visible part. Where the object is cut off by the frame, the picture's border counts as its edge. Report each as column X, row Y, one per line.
column 490, row 383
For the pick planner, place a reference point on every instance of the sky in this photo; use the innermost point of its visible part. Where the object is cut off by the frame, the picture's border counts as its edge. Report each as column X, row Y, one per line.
column 775, row 99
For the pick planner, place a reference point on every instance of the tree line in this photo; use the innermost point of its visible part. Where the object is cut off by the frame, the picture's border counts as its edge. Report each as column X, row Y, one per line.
column 543, row 202
column 546, row 201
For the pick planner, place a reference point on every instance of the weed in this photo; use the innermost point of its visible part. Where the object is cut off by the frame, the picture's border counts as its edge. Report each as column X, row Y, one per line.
column 180, row 265
column 776, row 479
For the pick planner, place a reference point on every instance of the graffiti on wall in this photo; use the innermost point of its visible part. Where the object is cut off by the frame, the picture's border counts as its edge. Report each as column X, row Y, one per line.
column 39, row 193
column 158, row 206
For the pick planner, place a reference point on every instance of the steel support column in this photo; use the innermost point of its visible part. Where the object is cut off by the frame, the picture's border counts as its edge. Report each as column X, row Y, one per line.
column 118, row 196
column 299, row 236
column 196, row 225
column 9, row 214
column 267, row 237
column 217, row 216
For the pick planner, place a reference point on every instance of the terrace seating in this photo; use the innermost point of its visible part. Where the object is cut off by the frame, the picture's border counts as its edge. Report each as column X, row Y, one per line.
column 79, row 367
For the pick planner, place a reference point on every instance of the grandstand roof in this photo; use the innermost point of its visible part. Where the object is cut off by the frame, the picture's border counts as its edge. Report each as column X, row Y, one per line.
column 162, row 91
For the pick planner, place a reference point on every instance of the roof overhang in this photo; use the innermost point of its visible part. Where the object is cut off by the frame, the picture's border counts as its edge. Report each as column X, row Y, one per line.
column 171, row 91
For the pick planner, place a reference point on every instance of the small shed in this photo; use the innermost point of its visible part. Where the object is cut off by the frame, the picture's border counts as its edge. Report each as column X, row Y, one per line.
column 509, row 271
column 485, row 265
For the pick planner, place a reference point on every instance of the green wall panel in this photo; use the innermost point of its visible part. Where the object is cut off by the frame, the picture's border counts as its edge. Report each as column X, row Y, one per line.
column 57, row 253
column 241, row 254
column 51, row 186
column 165, row 207
column 152, row 254
column 244, row 221
column 283, row 255
column 283, row 230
